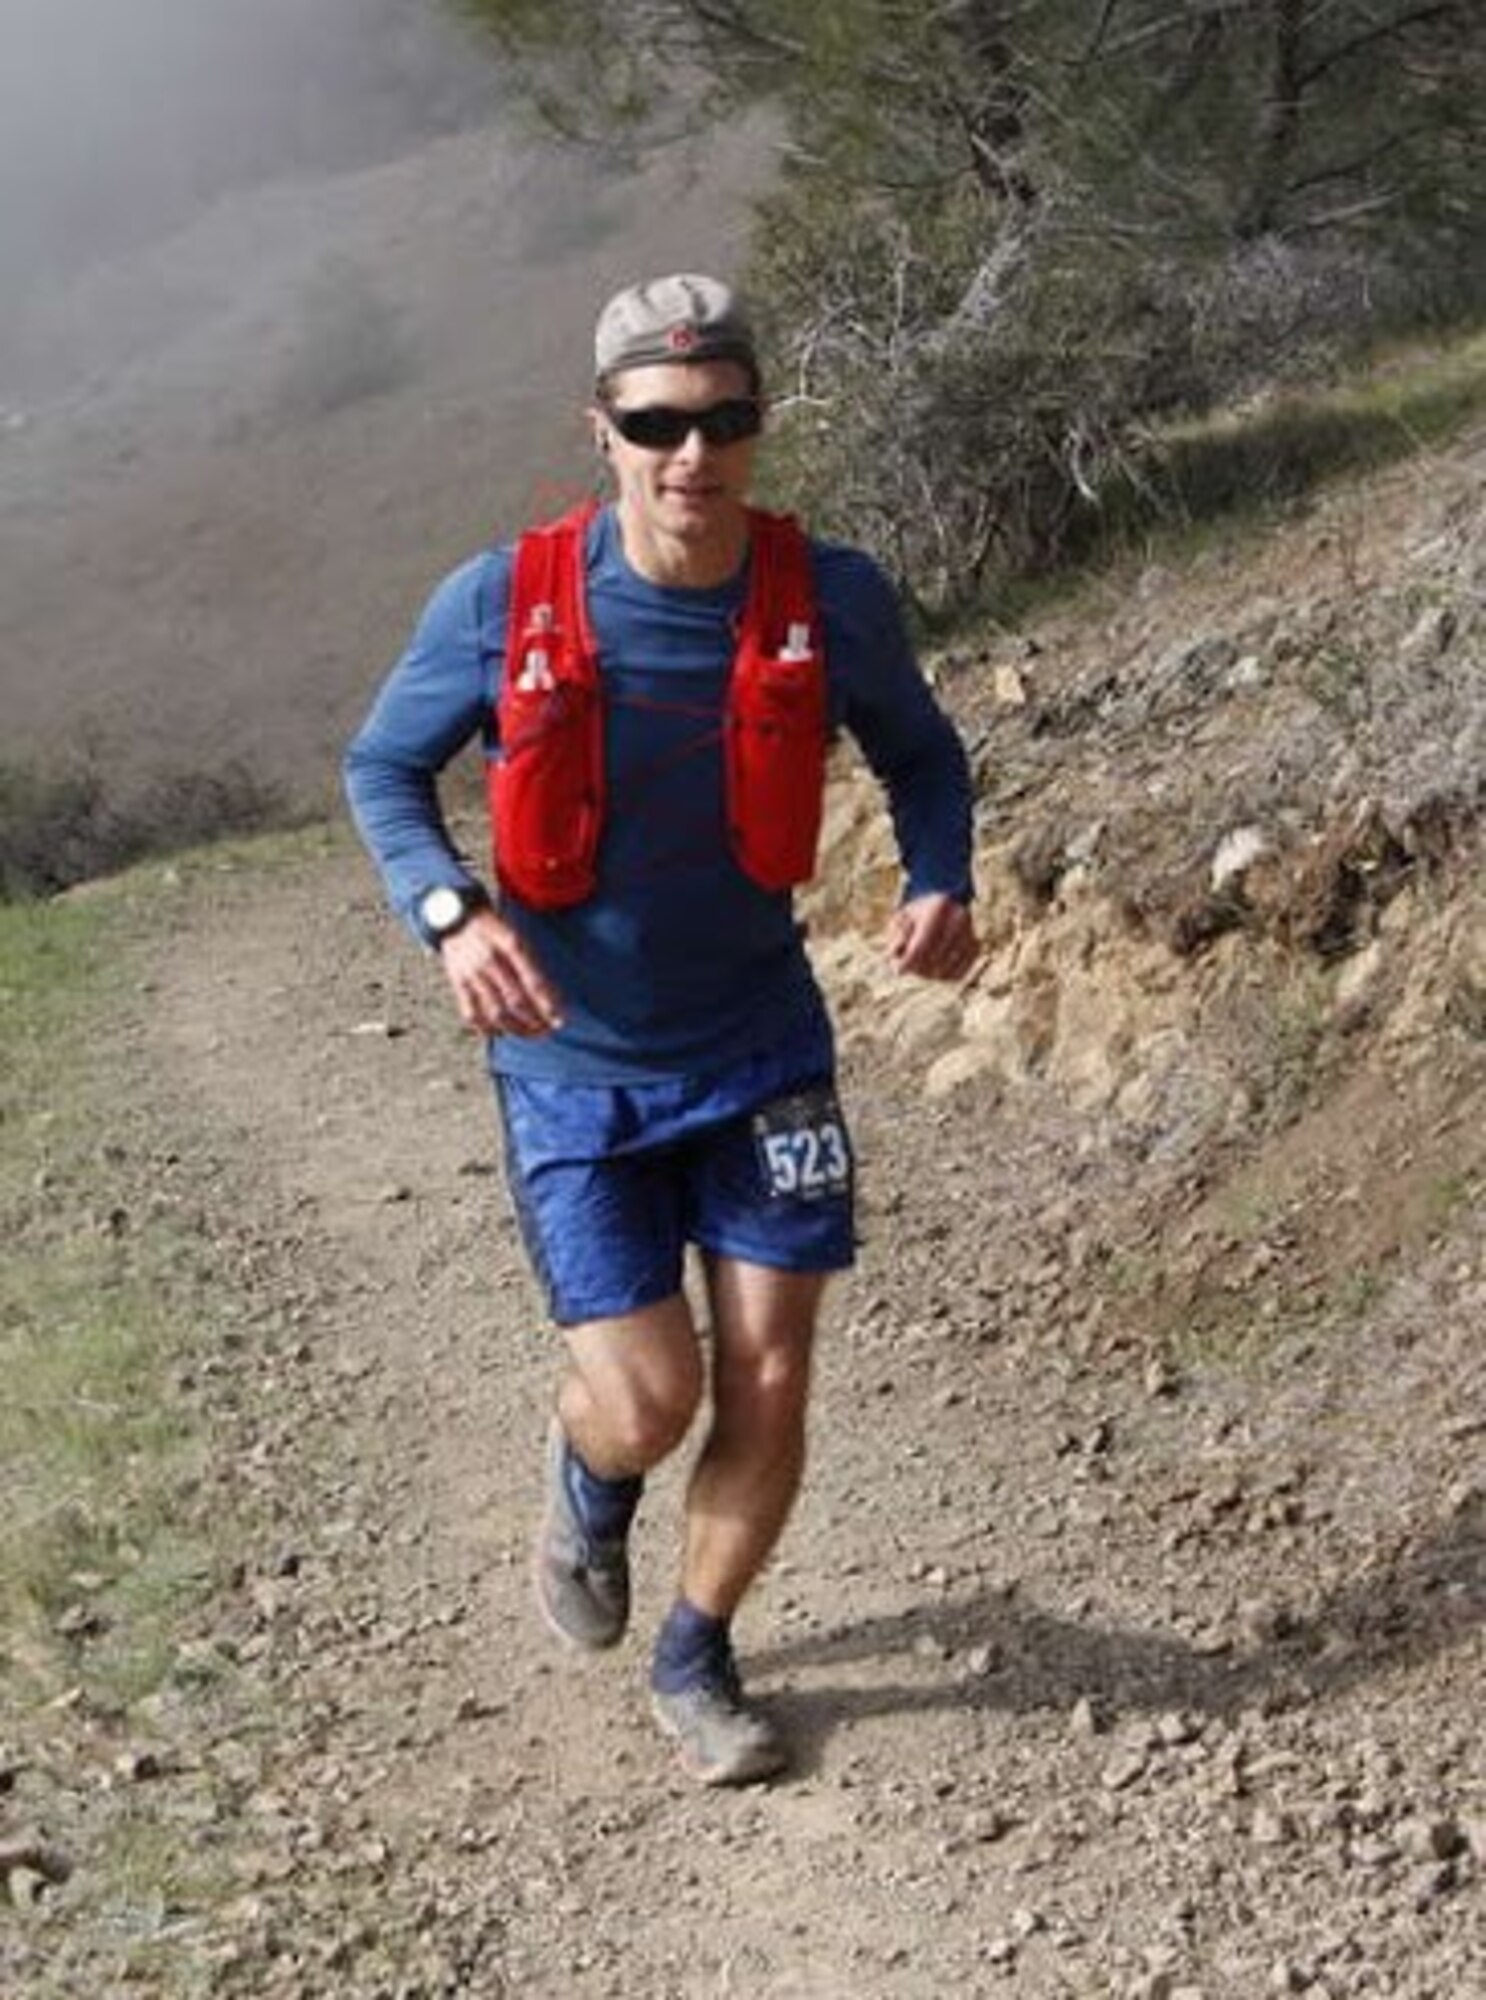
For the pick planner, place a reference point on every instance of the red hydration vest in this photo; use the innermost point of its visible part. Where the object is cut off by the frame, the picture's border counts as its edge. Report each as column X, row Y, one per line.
column 547, row 787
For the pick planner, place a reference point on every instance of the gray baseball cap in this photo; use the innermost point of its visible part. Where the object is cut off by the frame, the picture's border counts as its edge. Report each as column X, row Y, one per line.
column 685, row 317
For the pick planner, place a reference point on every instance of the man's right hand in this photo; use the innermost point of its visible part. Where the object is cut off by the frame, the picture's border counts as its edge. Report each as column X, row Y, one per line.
column 498, row 986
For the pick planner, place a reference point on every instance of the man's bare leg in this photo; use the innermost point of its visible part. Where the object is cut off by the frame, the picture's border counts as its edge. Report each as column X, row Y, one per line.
column 633, row 1387
column 742, row 1489
column 627, row 1400
column 744, row 1484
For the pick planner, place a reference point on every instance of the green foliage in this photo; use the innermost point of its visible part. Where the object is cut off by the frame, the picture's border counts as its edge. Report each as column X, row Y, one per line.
column 1011, row 235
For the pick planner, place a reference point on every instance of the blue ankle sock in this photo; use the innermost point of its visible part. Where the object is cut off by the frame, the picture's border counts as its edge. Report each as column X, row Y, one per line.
column 604, row 1506
column 691, row 1646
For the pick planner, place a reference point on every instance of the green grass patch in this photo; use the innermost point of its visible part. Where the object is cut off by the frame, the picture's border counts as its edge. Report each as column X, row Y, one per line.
column 99, row 1454
column 1235, row 470
column 1286, row 447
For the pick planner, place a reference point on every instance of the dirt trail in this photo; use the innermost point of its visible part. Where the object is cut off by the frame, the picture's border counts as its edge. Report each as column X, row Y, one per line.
column 1110, row 1678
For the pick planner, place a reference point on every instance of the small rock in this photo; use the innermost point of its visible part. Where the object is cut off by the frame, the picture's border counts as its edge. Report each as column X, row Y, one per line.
column 1008, row 686
column 1269, row 1828
column 1001, row 1951
column 25, row 1887
column 81, row 1621
column 27, row 1855
column 1375, row 1851
column 1434, row 1882
column 1236, row 854
column 1122, row 1771
column 1431, row 1839
column 1432, row 634
column 1161, row 1379
column 1084, row 1718
column 138, row 1767
column 1265, row 1623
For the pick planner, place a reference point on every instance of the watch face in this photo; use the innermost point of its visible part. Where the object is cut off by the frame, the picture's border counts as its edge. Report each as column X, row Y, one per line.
column 442, row 910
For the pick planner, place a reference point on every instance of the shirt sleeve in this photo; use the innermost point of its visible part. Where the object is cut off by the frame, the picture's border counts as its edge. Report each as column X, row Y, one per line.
column 437, row 697
column 880, row 694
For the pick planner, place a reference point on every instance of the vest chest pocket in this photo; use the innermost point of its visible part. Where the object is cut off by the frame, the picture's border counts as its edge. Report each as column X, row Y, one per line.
column 776, row 768
column 547, row 790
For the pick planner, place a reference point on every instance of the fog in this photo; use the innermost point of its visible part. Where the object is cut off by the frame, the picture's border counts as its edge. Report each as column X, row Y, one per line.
column 120, row 119
column 297, row 311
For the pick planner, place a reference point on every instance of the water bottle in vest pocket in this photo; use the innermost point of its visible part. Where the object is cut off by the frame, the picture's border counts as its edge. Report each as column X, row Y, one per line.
column 776, row 746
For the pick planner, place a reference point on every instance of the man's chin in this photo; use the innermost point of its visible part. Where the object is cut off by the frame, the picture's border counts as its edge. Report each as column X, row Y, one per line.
column 699, row 511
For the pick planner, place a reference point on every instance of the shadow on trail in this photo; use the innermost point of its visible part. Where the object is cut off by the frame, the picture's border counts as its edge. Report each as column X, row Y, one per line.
column 1427, row 1598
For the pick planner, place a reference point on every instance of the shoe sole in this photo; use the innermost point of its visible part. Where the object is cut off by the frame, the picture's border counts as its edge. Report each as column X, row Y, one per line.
column 765, row 1761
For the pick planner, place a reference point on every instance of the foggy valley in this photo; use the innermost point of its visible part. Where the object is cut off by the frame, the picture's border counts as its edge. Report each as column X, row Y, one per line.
column 298, row 309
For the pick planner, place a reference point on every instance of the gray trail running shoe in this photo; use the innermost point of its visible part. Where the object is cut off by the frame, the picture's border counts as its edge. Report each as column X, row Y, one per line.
column 721, row 1739
column 582, row 1584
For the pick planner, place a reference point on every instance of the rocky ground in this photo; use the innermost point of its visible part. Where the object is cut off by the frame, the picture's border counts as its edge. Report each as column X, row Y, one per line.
column 1131, row 1627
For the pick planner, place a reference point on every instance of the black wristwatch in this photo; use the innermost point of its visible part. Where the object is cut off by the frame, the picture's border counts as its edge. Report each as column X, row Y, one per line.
column 443, row 911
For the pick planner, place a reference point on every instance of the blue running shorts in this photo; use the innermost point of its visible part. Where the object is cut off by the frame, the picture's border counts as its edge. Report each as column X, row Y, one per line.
column 611, row 1182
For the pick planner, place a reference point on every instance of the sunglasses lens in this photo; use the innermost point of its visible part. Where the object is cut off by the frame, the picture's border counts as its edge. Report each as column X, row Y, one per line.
column 659, row 427
column 730, row 423
column 653, row 428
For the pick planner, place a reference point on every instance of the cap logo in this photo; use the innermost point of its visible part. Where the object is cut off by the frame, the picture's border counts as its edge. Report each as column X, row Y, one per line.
column 680, row 338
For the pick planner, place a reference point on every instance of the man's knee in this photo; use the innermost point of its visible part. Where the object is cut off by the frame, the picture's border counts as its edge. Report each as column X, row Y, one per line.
column 649, row 1417
column 635, row 1385
column 766, row 1387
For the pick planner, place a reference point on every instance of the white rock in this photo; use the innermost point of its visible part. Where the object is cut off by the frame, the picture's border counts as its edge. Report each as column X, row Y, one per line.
column 1009, row 687
column 1236, row 853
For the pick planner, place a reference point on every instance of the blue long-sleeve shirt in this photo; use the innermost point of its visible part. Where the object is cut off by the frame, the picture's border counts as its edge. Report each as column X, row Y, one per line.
column 679, row 964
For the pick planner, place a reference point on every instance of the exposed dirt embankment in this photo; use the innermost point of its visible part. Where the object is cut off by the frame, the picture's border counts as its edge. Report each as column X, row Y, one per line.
column 1230, row 874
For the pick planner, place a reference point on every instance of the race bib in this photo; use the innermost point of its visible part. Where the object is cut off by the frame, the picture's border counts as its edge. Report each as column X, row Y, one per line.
column 803, row 1151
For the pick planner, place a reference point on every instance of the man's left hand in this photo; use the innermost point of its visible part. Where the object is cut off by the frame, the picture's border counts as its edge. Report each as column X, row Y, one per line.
column 934, row 937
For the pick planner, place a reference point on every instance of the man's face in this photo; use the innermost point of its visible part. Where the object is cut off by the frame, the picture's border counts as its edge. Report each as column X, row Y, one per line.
column 691, row 489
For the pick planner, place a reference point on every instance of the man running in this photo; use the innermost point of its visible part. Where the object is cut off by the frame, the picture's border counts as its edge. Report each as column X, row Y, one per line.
column 656, row 680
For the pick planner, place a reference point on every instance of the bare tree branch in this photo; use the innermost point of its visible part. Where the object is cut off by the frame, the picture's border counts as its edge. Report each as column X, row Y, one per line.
column 1380, row 31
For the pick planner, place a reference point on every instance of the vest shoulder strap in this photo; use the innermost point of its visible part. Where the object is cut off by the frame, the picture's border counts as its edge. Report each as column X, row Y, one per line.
column 547, row 594
column 781, row 598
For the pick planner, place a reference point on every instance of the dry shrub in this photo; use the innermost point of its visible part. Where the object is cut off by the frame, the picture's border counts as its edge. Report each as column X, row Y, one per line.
column 66, row 825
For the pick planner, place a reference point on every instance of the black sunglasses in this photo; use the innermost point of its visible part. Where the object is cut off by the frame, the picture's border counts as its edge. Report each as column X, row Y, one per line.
column 660, row 427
